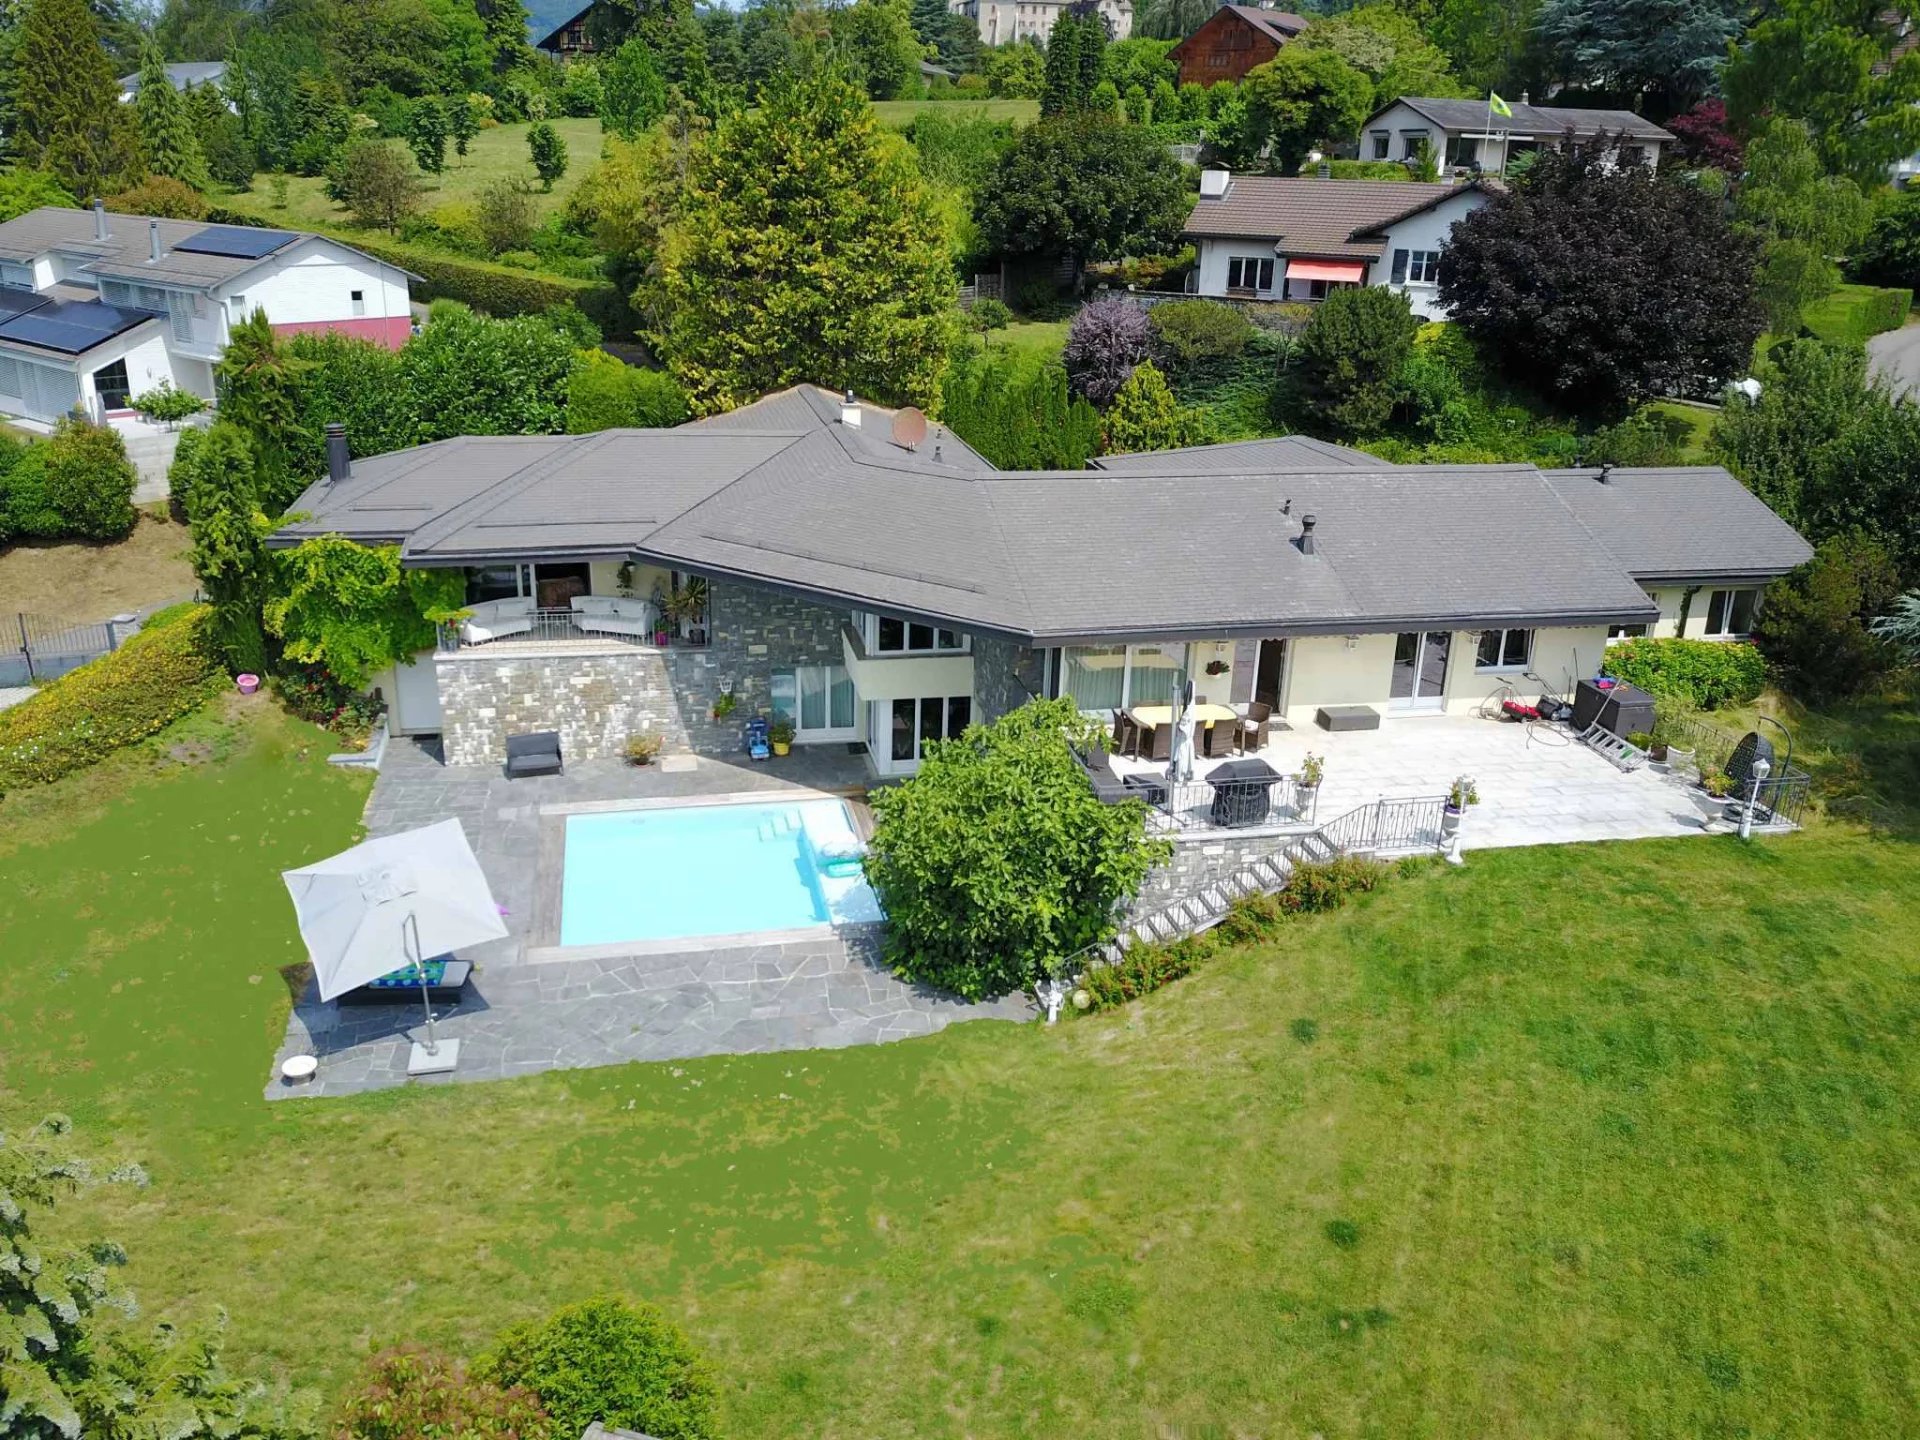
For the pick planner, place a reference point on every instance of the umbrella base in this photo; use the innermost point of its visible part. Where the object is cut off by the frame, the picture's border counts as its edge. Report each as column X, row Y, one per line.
column 425, row 1062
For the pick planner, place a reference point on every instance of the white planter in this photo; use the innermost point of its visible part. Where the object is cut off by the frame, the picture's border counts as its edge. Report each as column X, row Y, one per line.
column 1450, row 819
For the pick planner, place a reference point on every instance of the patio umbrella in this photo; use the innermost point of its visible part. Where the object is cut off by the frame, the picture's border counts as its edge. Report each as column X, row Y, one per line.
column 390, row 902
column 1180, row 754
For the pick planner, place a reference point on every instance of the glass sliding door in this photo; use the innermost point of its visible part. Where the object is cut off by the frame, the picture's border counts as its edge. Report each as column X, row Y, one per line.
column 818, row 699
column 1095, row 676
column 904, row 728
column 1419, row 679
column 1155, row 674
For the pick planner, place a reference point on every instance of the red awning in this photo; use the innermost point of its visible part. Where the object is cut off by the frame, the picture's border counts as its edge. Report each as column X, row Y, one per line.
column 1351, row 272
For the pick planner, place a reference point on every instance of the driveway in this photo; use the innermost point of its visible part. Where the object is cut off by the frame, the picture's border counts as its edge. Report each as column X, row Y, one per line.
column 1895, row 356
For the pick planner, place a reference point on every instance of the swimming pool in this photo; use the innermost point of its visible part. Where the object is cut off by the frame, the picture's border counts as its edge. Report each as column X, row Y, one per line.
column 701, row 870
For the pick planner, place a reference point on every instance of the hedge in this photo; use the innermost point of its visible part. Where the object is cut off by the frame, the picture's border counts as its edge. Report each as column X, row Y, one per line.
column 1854, row 314
column 1704, row 673
column 497, row 290
column 118, row 700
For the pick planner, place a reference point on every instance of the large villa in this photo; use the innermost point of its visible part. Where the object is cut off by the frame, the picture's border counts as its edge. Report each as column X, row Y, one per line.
column 877, row 583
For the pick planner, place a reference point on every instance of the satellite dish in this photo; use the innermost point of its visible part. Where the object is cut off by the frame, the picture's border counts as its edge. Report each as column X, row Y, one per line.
column 910, row 428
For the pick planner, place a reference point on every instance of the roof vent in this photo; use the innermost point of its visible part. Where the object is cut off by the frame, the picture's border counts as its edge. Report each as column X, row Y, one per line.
column 153, row 241
column 1306, row 534
column 1214, row 183
column 1605, row 477
column 99, row 219
column 850, row 410
column 1326, row 170
column 339, row 462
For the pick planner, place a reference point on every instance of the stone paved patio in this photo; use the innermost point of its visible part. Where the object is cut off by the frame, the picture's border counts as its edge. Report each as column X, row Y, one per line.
column 525, row 1014
column 1538, row 785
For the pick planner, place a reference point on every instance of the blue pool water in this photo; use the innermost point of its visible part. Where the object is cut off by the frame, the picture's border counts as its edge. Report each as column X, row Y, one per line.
column 707, row 870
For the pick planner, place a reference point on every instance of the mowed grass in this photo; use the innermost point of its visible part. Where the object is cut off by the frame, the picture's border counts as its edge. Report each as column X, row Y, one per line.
column 498, row 153
column 898, row 114
column 1699, row 423
column 1579, row 1141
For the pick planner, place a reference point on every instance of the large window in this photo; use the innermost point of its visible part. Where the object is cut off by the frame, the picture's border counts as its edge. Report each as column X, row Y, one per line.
column 1250, row 272
column 1504, row 650
column 1416, row 267
column 111, row 385
column 494, row 582
column 891, row 635
column 1113, row 677
column 912, row 723
column 818, row 699
column 1382, row 143
column 1730, row 613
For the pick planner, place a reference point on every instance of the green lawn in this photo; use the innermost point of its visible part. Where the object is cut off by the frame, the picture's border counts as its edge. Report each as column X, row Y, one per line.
column 499, row 153
column 898, row 114
column 1621, row 1140
column 1699, row 424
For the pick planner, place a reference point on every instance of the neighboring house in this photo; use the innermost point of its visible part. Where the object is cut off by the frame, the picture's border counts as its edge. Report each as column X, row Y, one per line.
column 1464, row 135
column 568, row 38
column 182, row 76
column 96, row 307
column 881, row 596
column 1232, row 41
column 1002, row 22
column 1270, row 237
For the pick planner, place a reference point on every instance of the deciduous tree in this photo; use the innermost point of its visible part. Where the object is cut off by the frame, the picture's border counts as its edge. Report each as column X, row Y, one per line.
column 1085, row 187
column 548, row 152
column 633, row 92
column 427, row 134
column 1106, row 340
column 352, row 610
column 376, row 183
column 1304, row 99
column 806, row 248
column 1386, row 44
column 1601, row 286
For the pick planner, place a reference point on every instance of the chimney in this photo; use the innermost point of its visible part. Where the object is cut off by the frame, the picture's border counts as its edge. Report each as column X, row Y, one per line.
column 850, row 410
column 339, row 462
column 1214, row 182
column 1525, row 98
column 99, row 219
column 1326, row 170
column 1306, row 534
column 153, row 241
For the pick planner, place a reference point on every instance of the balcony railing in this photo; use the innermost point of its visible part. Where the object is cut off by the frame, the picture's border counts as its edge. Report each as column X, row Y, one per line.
column 1203, row 804
column 567, row 628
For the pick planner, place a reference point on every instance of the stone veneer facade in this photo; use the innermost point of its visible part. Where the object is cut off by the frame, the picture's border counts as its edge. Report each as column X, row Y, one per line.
column 1202, row 857
column 596, row 695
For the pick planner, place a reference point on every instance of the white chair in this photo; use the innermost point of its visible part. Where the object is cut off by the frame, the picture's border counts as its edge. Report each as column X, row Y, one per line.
column 612, row 615
column 493, row 619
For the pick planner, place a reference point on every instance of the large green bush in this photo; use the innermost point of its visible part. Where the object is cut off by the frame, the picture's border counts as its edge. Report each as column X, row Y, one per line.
column 468, row 375
column 1351, row 355
column 604, row 393
column 115, row 701
column 411, row 1393
column 77, row 485
column 1020, row 420
column 1199, row 335
column 1705, row 673
column 625, row 1365
column 996, row 862
column 1813, row 630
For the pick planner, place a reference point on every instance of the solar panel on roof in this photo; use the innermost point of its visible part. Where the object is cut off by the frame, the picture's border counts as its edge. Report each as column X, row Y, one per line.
column 237, row 242
column 18, row 302
column 70, row 327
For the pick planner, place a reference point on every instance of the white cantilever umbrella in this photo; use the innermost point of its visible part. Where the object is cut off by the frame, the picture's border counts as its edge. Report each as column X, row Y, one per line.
column 1180, row 756
column 391, row 902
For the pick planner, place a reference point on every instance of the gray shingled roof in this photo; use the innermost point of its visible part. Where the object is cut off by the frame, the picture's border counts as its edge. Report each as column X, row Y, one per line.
column 1312, row 217
column 1682, row 523
column 1239, row 457
column 1540, row 120
column 181, row 74
column 1201, row 542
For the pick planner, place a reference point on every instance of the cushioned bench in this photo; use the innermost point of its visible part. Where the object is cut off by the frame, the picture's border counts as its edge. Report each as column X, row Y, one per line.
column 1347, row 717
column 494, row 619
column 445, row 979
column 612, row 615
column 535, row 754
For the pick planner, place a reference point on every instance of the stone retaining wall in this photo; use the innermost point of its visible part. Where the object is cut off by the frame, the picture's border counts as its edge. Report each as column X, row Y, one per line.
column 1202, row 857
column 594, row 697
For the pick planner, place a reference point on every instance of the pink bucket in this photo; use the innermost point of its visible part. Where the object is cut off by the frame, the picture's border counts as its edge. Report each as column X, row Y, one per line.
column 247, row 683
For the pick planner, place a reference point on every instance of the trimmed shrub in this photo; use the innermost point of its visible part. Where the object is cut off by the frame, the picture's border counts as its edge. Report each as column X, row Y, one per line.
column 1813, row 630
column 118, row 700
column 625, row 1365
column 1143, row 969
column 411, row 1393
column 1703, row 673
column 501, row 290
column 90, row 481
column 604, row 393
column 25, row 511
column 1199, row 335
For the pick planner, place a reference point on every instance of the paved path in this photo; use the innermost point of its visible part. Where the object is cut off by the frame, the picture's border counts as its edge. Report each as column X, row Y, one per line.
column 11, row 695
column 533, row 1009
column 1896, row 356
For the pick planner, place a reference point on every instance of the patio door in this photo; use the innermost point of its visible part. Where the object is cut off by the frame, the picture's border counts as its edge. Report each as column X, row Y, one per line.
column 1270, row 674
column 1419, row 670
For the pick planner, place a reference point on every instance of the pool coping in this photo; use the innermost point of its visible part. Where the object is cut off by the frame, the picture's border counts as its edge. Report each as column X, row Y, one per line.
column 543, row 938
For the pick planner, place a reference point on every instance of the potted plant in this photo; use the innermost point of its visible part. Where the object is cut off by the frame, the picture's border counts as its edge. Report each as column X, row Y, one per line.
column 1218, row 667
column 780, row 735
column 1313, row 770
column 642, row 747
column 687, row 606
column 1716, row 782
column 1462, row 794
column 623, row 579
column 724, row 704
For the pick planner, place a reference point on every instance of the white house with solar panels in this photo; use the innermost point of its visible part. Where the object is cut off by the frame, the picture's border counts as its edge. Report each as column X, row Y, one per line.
column 96, row 308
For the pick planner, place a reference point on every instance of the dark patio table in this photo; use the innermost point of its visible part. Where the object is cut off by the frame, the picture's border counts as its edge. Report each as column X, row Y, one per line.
column 1240, row 792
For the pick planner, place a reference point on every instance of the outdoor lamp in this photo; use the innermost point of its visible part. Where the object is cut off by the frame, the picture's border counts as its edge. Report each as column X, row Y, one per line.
column 1758, row 772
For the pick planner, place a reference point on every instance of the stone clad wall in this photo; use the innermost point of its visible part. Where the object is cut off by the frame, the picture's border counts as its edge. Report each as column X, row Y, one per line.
column 1202, row 857
column 1005, row 676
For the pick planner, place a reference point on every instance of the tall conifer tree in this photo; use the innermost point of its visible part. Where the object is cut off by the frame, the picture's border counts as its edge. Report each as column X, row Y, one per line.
column 168, row 138
column 67, row 111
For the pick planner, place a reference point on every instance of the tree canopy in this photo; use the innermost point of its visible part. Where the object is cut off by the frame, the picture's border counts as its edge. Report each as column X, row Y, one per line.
column 168, row 139
column 1660, row 55
column 1600, row 286
column 68, row 119
column 806, row 248
column 1306, row 98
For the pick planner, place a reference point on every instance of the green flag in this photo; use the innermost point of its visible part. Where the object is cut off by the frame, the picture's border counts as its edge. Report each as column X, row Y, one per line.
column 1497, row 106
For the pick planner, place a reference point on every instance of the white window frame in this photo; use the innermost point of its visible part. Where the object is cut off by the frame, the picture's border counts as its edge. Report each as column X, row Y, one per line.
column 1423, row 267
column 358, row 300
column 1727, row 606
column 1382, row 143
column 828, row 676
column 869, row 624
column 1620, row 631
column 1262, row 266
column 1503, row 665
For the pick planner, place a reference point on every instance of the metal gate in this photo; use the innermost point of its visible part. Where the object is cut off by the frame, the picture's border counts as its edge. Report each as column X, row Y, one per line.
column 40, row 647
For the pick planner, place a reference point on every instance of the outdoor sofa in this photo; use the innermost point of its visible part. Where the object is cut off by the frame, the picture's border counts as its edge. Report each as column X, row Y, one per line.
column 535, row 754
column 612, row 615
column 492, row 619
column 446, row 978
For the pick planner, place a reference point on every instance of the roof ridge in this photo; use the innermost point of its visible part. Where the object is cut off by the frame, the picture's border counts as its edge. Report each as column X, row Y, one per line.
column 502, row 490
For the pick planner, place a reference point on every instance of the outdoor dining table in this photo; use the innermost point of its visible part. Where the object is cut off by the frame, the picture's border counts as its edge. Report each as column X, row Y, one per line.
column 1240, row 792
column 1148, row 716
